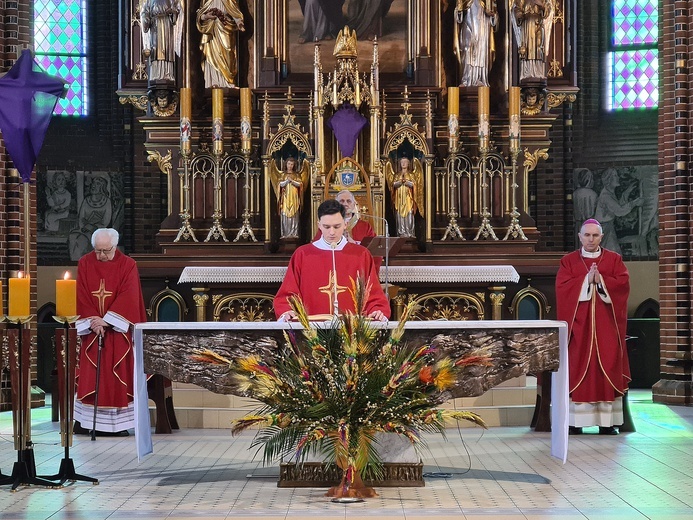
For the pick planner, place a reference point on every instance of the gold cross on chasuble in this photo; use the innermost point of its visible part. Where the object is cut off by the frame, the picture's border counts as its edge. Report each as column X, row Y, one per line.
column 331, row 289
column 101, row 295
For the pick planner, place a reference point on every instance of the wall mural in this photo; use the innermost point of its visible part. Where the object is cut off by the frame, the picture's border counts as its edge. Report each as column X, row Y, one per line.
column 70, row 206
column 624, row 200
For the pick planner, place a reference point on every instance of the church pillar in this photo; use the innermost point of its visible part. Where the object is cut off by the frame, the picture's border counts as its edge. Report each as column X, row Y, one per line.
column 675, row 187
column 200, row 297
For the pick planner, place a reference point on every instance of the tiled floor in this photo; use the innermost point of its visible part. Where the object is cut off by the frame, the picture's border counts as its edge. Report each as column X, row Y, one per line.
column 503, row 473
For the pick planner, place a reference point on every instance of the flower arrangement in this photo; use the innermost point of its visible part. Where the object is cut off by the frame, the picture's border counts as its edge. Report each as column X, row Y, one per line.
column 332, row 390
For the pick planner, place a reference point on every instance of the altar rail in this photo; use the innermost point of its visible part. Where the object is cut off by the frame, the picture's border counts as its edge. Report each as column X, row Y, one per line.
column 515, row 348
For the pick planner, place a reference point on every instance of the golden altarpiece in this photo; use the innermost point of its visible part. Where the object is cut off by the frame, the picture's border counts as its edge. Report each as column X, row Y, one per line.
column 444, row 162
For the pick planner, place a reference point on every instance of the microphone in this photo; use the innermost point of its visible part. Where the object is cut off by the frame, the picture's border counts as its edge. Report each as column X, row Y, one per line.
column 387, row 250
column 335, row 303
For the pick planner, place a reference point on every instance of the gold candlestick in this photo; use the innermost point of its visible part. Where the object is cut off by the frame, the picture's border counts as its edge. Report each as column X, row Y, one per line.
column 514, row 229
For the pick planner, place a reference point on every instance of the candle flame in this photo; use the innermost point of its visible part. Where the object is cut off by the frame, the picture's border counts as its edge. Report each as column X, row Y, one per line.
column 20, row 274
column 66, row 276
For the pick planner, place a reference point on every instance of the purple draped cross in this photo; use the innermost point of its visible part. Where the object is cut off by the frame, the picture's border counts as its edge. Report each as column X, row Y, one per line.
column 346, row 123
column 27, row 98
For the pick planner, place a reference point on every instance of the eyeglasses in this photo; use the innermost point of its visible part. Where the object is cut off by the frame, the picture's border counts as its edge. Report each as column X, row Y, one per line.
column 103, row 251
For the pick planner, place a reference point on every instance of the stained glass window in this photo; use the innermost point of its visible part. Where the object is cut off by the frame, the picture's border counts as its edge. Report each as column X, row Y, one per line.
column 61, row 49
column 633, row 60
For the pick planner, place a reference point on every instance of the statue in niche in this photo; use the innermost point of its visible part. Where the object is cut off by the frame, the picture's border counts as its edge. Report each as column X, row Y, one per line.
column 289, row 187
column 218, row 21
column 532, row 21
column 161, row 37
column 407, row 191
column 475, row 23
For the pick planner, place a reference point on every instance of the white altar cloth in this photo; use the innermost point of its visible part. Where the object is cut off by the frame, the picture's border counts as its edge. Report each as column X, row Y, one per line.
column 559, row 388
column 395, row 274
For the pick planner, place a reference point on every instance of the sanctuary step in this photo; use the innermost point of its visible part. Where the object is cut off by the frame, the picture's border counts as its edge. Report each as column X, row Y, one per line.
column 509, row 404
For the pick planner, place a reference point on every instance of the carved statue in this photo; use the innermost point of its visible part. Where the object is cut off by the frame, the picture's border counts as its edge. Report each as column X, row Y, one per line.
column 475, row 23
column 218, row 21
column 407, row 190
column 161, row 37
column 532, row 21
column 289, row 187
column 345, row 46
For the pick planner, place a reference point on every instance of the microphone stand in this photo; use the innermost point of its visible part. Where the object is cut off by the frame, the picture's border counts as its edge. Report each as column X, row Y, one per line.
column 387, row 250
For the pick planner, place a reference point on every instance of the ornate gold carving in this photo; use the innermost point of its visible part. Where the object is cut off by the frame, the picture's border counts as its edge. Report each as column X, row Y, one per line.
column 448, row 306
column 345, row 45
column 138, row 101
column 555, row 99
column 244, row 307
column 532, row 158
column 140, row 72
column 555, row 69
column 164, row 162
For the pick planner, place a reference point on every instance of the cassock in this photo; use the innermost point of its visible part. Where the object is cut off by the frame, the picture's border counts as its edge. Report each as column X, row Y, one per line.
column 110, row 290
column 596, row 315
column 311, row 276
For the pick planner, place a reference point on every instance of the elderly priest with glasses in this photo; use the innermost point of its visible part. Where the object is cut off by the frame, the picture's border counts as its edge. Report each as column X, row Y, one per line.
column 109, row 302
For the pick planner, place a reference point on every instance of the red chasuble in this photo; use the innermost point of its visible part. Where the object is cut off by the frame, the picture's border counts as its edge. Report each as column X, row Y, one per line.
column 597, row 354
column 113, row 287
column 310, row 275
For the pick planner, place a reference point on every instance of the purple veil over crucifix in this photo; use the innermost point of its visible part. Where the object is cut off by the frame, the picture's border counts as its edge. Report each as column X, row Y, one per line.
column 27, row 98
column 346, row 123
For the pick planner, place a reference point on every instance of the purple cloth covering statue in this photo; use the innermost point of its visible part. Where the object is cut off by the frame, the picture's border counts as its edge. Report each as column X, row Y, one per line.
column 346, row 123
column 27, row 98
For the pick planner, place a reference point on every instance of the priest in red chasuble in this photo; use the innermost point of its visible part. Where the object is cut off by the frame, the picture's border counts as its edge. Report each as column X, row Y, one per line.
column 109, row 302
column 592, row 289
column 326, row 267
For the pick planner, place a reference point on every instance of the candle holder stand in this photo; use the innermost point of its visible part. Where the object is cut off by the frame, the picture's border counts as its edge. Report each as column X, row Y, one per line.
column 66, row 354
column 185, row 232
column 485, row 229
column 24, row 470
column 514, row 229
column 246, row 230
column 216, row 232
column 453, row 230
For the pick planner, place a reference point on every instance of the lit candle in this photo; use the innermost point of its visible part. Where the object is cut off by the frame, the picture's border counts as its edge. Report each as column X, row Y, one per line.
column 246, row 103
column 218, row 104
column 453, row 101
column 66, row 296
column 18, row 299
column 185, row 102
column 2, row 309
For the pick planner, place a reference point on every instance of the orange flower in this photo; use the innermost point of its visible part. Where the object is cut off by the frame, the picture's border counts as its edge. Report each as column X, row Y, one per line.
column 426, row 375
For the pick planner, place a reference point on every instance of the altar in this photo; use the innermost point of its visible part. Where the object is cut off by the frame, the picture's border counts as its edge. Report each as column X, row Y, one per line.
column 516, row 347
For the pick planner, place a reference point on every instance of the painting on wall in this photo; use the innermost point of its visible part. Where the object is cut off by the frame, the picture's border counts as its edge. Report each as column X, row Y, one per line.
column 624, row 201
column 70, row 206
column 319, row 21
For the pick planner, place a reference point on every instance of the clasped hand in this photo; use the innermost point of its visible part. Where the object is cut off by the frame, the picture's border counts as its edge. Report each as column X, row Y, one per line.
column 98, row 325
column 593, row 277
